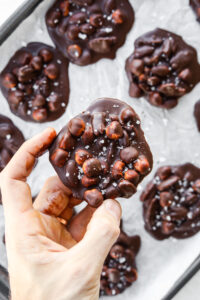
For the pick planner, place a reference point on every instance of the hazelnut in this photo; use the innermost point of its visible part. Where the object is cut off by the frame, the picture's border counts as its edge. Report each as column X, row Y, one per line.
column 81, row 156
column 67, row 142
column 59, row 157
column 25, row 74
column 117, row 170
column 96, row 20
column 114, row 131
column 54, row 18
column 132, row 175
column 104, row 166
column 25, row 58
column 94, row 197
column 131, row 276
column 113, row 275
column 137, row 67
column 52, row 71
column 9, row 81
column 126, row 188
column 15, row 97
column 87, row 182
column 40, row 114
column 46, row 55
column 116, row 251
column 155, row 98
column 142, row 165
column 92, row 167
column 78, row 18
column 164, row 172
column 87, row 28
column 36, row 63
column 196, row 186
column 74, row 51
column 117, row 16
column 39, row 100
column 185, row 75
column 167, row 227
column 76, row 126
column 166, row 199
column 129, row 154
column 54, row 102
column 64, row 6
column 88, row 136
column 72, row 32
column 112, row 192
column 128, row 115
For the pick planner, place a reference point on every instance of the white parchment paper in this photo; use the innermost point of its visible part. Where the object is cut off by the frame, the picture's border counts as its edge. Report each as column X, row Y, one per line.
column 172, row 135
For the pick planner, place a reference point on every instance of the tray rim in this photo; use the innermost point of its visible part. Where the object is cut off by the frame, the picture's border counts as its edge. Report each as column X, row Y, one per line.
column 6, row 29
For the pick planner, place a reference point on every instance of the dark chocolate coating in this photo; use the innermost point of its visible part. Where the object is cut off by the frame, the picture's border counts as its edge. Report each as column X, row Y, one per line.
column 119, row 271
column 11, row 139
column 86, row 31
column 162, row 68
column 35, row 83
column 197, row 113
column 103, row 150
column 171, row 202
column 195, row 4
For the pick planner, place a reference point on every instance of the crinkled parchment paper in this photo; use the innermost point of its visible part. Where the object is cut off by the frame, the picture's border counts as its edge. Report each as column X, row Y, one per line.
column 172, row 135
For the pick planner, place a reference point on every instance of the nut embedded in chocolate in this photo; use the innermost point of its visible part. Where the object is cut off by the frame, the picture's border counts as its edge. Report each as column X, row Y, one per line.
column 119, row 270
column 11, row 139
column 162, row 68
column 86, row 31
column 35, row 83
column 171, row 202
column 103, row 152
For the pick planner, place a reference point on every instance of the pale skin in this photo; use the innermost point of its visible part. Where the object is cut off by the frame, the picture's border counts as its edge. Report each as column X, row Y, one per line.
column 47, row 260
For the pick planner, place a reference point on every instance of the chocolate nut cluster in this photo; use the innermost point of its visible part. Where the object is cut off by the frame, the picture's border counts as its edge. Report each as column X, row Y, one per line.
column 11, row 139
column 163, row 68
column 35, row 83
column 88, row 30
column 119, row 270
column 102, row 153
column 171, row 202
column 195, row 4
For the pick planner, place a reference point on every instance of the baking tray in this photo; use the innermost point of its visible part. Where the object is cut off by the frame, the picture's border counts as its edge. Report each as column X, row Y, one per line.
column 5, row 31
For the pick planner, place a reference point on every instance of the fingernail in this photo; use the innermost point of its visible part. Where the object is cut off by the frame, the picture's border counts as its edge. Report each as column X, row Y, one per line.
column 114, row 209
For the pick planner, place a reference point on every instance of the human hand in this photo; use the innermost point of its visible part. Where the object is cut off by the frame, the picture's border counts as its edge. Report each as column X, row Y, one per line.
column 45, row 260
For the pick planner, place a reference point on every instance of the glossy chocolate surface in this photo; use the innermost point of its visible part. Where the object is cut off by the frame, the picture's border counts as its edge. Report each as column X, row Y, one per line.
column 195, row 4
column 88, row 30
column 102, row 153
column 35, row 83
column 11, row 139
column 171, row 202
column 119, row 271
column 162, row 68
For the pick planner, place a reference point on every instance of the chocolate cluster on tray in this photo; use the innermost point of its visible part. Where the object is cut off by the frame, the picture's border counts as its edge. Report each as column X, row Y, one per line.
column 119, row 270
column 162, row 68
column 88, row 30
column 11, row 139
column 171, row 202
column 102, row 153
column 195, row 4
column 35, row 83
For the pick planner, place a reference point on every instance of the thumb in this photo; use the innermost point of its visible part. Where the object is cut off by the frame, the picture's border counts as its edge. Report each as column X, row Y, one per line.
column 102, row 231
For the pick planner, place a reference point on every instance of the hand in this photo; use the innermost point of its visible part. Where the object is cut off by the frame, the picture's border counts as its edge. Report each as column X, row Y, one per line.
column 45, row 260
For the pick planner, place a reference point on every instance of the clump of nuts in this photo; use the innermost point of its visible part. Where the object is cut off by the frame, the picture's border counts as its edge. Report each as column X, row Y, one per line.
column 98, row 151
column 171, row 202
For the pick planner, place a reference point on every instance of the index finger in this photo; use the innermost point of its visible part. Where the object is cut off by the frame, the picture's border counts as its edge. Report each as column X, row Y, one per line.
column 16, row 194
